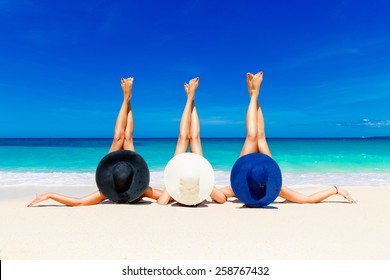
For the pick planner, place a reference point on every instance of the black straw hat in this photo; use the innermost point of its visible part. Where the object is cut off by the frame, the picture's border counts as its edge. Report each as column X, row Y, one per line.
column 122, row 176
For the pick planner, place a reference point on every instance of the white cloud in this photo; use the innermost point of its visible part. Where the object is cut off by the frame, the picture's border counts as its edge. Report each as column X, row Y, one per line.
column 219, row 120
column 375, row 123
column 366, row 122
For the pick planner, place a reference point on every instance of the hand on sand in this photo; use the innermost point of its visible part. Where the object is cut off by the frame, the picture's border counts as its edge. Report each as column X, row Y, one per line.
column 345, row 194
column 37, row 199
column 164, row 198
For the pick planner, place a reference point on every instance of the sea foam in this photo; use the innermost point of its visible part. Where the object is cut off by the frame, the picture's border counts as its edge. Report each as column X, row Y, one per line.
column 222, row 178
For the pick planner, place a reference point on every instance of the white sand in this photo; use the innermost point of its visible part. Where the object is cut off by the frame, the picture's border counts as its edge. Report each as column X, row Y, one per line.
column 332, row 229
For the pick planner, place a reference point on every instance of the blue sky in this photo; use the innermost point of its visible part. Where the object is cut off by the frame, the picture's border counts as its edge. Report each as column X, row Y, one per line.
column 326, row 66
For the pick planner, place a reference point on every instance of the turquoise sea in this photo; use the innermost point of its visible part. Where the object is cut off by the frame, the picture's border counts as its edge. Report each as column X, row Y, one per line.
column 304, row 162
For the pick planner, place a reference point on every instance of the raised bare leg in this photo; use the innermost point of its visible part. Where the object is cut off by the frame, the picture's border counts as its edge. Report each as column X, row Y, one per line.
column 185, row 122
column 261, row 140
column 121, row 121
column 221, row 195
column 128, row 142
column 250, row 144
column 297, row 197
column 255, row 139
column 195, row 143
column 184, row 134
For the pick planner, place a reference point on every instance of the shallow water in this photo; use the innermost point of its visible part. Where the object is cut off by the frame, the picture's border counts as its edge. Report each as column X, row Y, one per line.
column 304, row 162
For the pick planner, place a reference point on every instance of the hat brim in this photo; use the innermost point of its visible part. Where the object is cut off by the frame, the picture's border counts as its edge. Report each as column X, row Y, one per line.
column 105, row 181
column 239, row 183
column 197, row 166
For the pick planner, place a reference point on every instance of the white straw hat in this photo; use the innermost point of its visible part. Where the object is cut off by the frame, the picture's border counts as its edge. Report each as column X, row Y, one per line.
column 189, row 178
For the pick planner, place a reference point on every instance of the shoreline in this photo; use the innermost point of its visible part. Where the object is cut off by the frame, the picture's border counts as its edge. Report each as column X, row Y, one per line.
column 76, row 180
column 331, row 230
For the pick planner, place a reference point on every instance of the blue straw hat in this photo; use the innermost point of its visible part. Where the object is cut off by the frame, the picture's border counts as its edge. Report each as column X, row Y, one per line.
column 122, row 176
column 256, row 179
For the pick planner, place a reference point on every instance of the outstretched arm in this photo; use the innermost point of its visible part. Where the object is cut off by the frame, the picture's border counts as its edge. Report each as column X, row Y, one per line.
column 298, row 197
column 91, row 199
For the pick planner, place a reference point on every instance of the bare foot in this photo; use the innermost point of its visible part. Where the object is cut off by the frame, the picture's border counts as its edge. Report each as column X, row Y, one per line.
column 186, row 87
column 127, row 86
column 192, row 86
column 256, row 82
column 249, row 77
column 37, row 199
column 345, row 194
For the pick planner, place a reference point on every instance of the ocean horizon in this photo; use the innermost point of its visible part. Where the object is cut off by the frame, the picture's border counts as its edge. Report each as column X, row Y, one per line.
column 313, row 162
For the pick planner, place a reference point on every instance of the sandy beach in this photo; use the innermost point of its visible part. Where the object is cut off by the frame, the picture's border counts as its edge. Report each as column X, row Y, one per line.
column 331, row 230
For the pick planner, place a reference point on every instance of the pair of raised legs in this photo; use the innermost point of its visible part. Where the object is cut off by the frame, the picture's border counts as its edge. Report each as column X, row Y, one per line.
column 123, row 140
column 256, row 142
column 189, row 131
column 189, row 137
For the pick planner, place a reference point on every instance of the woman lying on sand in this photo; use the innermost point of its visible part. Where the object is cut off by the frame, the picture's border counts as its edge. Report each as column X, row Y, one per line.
column 189, row 135
column 256, row 142
column 123, row 140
